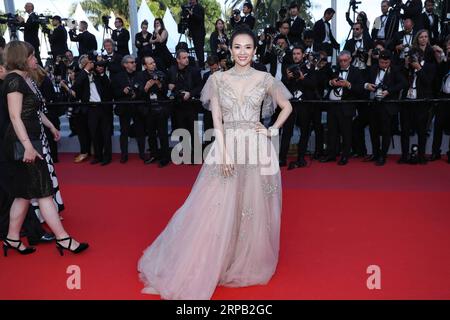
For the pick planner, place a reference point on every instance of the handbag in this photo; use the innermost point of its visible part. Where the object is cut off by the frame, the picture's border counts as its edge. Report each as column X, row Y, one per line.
column 19, row 150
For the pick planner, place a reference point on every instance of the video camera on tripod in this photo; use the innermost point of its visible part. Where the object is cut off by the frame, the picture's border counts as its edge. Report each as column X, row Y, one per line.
column 44, row 21
column 11, row 20
column 354, row 4
column 185, row 15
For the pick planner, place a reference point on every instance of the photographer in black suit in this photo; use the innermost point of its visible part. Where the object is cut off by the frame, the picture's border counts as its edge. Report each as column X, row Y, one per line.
column 248, row 19
column 185, row 83
column 58, row 37
column 121, row 37
column 303, row 83
column 402, row 42
column 126, row 88
column 346, row 85
column 383, row 24
column 92, row 85
column 297, row 24
column 278, row 56
column 197, row 30
column 86, row 40
column 420, row 67
column 360, row 45
column 385, row 81
column 114, row 59
column 153, row 88
column 31, row 30
column 323, row 36
column 430, row 22
column 412, row 9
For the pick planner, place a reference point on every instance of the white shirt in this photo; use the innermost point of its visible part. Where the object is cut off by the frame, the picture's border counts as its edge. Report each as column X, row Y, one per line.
column 327, row 32
column 94, row 96
column 279, row 73
column 381, row 32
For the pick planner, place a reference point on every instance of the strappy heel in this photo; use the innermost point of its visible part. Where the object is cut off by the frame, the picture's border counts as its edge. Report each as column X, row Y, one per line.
column 81, row 247
column 7, row 246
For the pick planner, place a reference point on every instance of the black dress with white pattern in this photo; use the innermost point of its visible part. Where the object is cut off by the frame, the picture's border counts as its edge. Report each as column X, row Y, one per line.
column 31, row 180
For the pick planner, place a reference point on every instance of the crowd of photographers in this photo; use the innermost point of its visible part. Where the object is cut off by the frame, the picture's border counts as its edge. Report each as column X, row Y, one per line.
column 376, row 66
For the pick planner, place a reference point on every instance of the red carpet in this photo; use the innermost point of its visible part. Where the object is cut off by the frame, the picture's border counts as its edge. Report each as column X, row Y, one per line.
column 336, row 222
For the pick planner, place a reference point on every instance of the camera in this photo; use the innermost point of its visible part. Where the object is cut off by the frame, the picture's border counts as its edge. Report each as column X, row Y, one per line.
column 71, row 23
column 283, row 13
column 413, row 56
column 236, row 12
column 376, row 52
column 354, row 4
column 295, row 69
column 157, row 75
column 133, row 91
column 183, row 25
column 362, row 54
column 379, row 91
column 313, row 57
column 105, row 20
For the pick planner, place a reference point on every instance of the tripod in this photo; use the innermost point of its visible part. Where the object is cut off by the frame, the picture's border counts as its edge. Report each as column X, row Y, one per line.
column 106, row 30
column 394, row 12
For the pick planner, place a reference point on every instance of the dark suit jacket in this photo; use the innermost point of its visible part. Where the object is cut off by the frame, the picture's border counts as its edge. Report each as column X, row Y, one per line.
column 319, row 35
column 432, row 30
column 122, row 39
column 31, row 30
column 249, row 21
column 308, row 86
column 350, row 44
column 396, row 40
column 86, row 40
column 192, row 79
column 58, row 41
column 425, row 80
column 394, row 80
column 296, row 30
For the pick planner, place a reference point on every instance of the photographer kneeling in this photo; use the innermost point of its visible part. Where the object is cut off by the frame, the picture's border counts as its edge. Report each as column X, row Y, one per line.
column 152, row 89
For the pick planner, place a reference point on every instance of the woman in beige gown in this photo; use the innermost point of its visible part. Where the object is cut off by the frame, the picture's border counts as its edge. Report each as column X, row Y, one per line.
column 227, row 232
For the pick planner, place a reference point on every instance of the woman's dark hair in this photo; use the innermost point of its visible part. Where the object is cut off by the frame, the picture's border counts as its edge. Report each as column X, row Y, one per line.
column 243, row 30
column 161, row 22
column 119, row 19
column 215, row 25
column 144, row 23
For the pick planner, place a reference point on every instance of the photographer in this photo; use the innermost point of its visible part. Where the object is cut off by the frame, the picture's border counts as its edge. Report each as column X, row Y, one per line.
column 218, row 41
column 412, row 9
column 360, row 45
column 126, row 88
column 248, row 19
column 86, row 40
column 323, row 36
column 121, row 37
column 153, row 89
column 302, row 83
column 278, row 56
column 58, row 37
column 197, row 30
column 402, row 42
column 374, row 54
column 385, row 81
column 31, row 29
column 383, row 24
column 346, row 85
column 185, row 83
column 69, row 95
column 430, row 22
column 442, row 119
column 114, row 65
column 420, row 66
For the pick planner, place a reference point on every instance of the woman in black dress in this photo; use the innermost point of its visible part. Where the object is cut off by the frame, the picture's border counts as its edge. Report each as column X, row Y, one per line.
column 159, row 45
column 218, row 40
column 142, row 42
column 25, row 140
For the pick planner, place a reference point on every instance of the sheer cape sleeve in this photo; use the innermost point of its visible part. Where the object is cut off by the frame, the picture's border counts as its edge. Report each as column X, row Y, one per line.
column 276, row 94
column 209, row 95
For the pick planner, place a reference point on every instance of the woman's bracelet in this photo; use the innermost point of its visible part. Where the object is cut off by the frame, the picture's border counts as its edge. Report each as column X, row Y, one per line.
column 273, row 131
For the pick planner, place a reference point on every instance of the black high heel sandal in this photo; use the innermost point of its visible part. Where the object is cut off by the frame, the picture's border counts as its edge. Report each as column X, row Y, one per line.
column 81, row 247
column 7, row 246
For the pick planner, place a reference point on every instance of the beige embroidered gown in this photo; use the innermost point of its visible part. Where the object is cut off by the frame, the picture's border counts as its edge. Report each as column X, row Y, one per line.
column 227, row 231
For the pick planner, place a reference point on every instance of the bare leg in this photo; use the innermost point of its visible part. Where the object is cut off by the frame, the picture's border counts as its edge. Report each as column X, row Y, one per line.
column 51, row 216
column 17, row 215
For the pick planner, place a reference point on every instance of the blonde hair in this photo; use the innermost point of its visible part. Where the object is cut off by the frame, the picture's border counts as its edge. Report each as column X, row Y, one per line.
column 16, row 55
